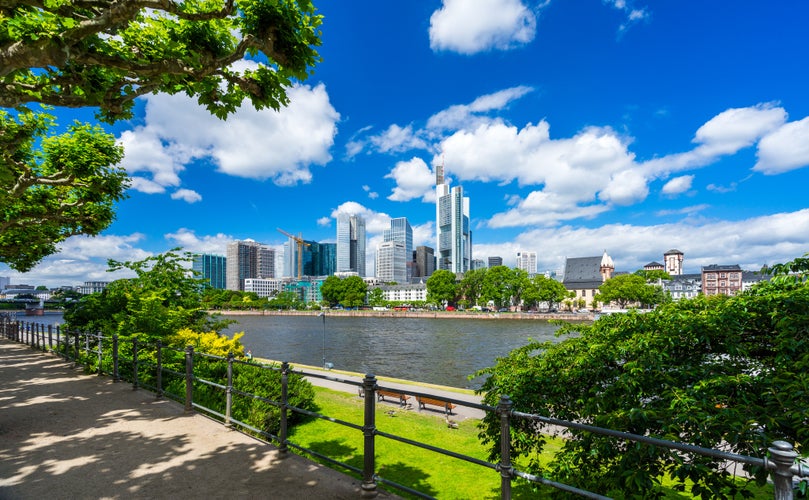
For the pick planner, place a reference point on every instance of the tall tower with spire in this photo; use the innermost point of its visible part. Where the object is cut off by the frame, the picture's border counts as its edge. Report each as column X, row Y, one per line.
column 453, row 235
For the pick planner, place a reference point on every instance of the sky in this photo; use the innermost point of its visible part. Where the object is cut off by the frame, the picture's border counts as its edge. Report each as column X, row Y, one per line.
column 574, row 126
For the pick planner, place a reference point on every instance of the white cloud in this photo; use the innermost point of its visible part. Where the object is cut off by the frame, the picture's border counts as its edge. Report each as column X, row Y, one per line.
column 397, row 139
column 785, row 149
column 267, row 144
column 471, row 26
column 693, row 209
column 375, row 222
column 465, row 116
column 724, row 134
column 414, row 179
column 190, row 242
column 324, row 221
column 751, row 243
column 187, row 195
column 678, row 185
column 371, row 194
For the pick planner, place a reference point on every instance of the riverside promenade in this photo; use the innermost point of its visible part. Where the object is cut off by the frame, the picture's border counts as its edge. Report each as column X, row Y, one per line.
column 64, row 434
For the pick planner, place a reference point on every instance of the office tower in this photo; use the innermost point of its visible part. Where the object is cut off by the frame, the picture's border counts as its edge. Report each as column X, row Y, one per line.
column 424, row 260
column 454, row 237
column 495, row 261
column 351, row 244
column 317, row 259
column 527, row 261
column 248, row 259
column 478, row 264
column 401, row 231
column 391, row 262
column 212, row 268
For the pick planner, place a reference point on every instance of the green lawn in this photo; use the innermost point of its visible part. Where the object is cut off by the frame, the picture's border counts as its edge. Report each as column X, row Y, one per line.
column 430, row 473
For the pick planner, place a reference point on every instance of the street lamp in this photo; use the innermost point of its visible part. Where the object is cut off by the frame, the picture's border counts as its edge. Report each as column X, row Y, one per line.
column 326, row 366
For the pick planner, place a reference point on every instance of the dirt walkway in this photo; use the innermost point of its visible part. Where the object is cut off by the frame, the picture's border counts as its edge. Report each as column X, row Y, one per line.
column 64, row 434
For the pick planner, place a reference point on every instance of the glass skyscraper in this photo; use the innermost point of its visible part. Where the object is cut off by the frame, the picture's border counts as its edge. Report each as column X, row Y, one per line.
column 351, row 244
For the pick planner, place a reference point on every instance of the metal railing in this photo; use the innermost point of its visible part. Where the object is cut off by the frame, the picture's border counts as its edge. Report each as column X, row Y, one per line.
column 145, row 367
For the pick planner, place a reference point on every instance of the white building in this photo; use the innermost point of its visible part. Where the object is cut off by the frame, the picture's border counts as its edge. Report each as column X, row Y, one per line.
column 391, row 262
column 401, row 231
column 405, row 293
column 264, row 287
column 527, row 261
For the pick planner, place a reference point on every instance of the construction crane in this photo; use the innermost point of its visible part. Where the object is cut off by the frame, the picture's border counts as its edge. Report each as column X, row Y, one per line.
column 301, row 244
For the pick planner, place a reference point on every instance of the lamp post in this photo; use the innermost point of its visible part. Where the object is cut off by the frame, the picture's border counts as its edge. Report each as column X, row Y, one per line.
column 323, row 315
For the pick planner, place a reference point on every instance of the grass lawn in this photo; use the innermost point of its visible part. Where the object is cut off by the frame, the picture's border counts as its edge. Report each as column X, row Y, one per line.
column 428, row 472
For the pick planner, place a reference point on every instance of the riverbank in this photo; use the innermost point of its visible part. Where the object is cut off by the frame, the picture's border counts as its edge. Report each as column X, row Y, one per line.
column 366, row 313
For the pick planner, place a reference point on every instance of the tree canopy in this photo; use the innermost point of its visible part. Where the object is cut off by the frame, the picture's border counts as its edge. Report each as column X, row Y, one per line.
column 719, row 371
column 53, row 186
column 106, row 53
column 348, row 292
column 442, row 288
column 625, row 289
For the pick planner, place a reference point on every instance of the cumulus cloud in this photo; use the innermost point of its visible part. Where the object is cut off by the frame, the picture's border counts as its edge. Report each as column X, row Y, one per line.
column 190, row 242
column 785, row 149
column 725, row 134
column 751, row 243
column 414, row 179
column 471, row 26
column 678, row 185
column 187, row 195
column 277, row 145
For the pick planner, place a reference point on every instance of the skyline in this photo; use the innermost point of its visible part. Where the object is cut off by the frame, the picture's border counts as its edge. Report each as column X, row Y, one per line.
column 573, row 127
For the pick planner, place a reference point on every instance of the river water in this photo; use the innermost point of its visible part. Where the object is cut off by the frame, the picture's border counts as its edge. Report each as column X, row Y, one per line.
column 438, row 351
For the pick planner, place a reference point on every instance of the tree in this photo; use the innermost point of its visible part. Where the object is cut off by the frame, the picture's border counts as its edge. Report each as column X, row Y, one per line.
column 628, row 288
column 158, row 302
column 471, row 285
column 53, row 187
column 726, row 372
column 376, row 297
column 501, row 285
column 354, row 291
column 547, row 290
column 653, row 275
column 442, row 288
column 104, row 55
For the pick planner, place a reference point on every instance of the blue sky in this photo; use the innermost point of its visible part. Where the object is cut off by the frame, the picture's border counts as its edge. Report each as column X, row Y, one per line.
column 575, row 126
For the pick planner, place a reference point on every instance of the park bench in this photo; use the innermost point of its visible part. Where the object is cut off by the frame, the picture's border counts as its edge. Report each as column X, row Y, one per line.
column 400, row 397
column 446, row 405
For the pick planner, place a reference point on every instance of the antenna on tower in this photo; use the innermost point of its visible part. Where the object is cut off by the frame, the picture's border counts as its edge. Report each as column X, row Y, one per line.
column 439, row 172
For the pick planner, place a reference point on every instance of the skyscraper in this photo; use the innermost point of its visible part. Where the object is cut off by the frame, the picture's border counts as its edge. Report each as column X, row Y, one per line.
column 454, row 236
column 401, row 231
column 391, row 262
column 248, row 259
column 424, row 260
column 527, row 261
column 495, row 261
column 212, row 268
column 351, row 244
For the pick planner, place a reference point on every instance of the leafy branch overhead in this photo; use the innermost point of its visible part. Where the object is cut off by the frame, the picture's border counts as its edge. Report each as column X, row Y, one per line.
column 107, row 53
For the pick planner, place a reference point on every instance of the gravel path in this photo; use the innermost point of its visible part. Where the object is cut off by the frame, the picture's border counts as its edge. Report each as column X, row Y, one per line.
column 64, row 434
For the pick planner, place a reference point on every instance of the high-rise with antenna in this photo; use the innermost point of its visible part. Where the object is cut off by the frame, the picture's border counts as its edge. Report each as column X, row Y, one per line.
column 453, row 235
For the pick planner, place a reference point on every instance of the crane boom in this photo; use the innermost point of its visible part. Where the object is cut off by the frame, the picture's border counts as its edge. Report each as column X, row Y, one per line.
column 300, row 243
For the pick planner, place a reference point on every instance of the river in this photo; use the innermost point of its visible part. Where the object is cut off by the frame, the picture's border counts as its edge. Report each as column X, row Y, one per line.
column 438, row 351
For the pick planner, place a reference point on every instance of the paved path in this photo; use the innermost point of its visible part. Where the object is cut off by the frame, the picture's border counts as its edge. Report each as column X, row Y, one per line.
column 64, row 434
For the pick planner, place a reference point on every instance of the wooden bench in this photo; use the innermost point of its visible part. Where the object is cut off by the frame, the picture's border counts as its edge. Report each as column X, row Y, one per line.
column 446, row 405
column 397, row 396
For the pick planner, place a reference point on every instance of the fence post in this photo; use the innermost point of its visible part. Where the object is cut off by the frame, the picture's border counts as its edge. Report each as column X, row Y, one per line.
column 504, row 410
column 783, row 456
column 369, row 431
column 100, row 354
column 282, row 434
column 76, row 349
column 115, row 375
column 159, row 373
column 189, row 378
column 50, row 337
column 229, row 392
column 134, row 364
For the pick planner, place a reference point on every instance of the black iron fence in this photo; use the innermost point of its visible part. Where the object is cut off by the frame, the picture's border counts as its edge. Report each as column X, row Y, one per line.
column 145, row 365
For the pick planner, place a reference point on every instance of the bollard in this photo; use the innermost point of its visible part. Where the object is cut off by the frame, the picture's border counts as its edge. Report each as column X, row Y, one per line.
column 282, row 435
column 783, row 456
column 369, row 431
column 189, row 378
column 229, row 392
column 506, row 471
column 100, row 354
